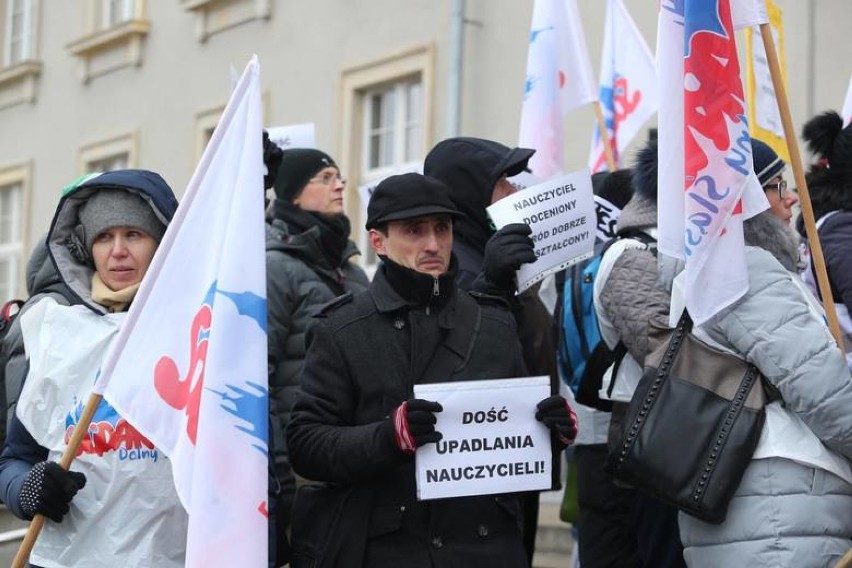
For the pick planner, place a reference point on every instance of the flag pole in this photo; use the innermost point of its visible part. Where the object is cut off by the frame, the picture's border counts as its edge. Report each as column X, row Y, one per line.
column 799, row 175
column 80, row 430
column 610, row 159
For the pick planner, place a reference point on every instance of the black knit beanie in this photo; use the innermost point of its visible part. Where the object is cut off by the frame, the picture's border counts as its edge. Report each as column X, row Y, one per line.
column 298, row 165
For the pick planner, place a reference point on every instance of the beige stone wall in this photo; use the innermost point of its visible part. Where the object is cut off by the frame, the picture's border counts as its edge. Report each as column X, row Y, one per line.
column 172, row 76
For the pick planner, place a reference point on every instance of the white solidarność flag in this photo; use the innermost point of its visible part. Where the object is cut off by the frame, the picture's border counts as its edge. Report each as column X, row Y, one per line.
column 706, row 182
column 188, row 369
column 628, row 84
column 558, row 80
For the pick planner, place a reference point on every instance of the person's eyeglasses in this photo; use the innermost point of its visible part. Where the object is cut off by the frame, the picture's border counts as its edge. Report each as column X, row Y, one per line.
column 329, row 178
column 781, row 187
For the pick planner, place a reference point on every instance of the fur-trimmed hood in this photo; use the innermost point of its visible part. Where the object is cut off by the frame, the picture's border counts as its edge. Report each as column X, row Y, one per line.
column 770, row 233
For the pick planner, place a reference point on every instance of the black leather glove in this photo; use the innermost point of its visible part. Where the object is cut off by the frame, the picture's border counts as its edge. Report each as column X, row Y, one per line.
column 505, row 252
column 48, row 489
column 414, row 424
column 555, row 413
column 272, row 160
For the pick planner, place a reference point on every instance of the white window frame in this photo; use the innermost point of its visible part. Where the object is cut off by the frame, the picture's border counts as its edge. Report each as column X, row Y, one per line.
column 25, row 34
column 399, row 126
column 205, row 122
column 101, row 151
column 357, row 83
column 17, row 177
column 115, row 12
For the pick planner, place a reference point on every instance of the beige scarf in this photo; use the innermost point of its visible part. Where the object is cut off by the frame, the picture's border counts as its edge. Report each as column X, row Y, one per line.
column 113, row 301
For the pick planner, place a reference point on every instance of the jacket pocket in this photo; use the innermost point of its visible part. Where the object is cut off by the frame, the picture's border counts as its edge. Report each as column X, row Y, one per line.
column 510, row 506
column 303, row 559
column 385, row 520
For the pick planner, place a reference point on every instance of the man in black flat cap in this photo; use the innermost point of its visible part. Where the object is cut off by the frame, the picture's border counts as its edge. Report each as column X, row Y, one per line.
column 476, row 171
column 356, row 425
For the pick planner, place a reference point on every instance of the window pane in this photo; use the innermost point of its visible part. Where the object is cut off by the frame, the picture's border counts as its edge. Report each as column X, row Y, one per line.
column 117, row 162
column 10, row 239
column 117, row 11
column 414, row 122
column 10, row 214
column 374, row 151
column 381, row 112
column 414, row 107
column 16, row 41
column 387, row 131
column 375, row 111
column 6, row 279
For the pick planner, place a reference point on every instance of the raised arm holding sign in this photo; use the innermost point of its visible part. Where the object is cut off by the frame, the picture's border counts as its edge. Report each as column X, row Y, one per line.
column 561, row 214
column 358, row 422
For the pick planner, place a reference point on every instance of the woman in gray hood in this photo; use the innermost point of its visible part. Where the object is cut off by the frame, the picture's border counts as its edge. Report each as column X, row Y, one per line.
column 793, row 506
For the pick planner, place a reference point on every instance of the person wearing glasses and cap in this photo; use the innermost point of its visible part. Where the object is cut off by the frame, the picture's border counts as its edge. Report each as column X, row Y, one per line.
column 356, row 424
column 769, row 168
column 308, row 263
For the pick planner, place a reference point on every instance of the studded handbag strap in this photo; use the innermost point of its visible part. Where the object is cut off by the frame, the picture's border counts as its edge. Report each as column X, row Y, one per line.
column 683, row 327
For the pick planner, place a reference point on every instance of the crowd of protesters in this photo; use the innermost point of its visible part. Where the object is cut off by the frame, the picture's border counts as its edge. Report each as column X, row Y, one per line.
column 346, row 351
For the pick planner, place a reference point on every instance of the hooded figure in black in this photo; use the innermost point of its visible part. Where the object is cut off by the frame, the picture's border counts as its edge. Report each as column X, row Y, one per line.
column 476, row 171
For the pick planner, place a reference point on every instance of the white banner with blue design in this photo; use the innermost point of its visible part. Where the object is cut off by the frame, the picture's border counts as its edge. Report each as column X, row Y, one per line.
column 65, row 346
column 189, row 365
column 707, row 185
column 558, row 80
column 628, row 85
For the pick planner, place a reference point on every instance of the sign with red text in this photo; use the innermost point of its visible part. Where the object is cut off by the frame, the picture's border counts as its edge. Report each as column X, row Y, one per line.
column 491, row 442
column 561, row 214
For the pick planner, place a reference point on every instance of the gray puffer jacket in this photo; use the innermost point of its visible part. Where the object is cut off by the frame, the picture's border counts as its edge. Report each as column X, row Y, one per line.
column 42, row 280
column 629, row 295
column 299, row 281
column 783, row 513
column 297, row 275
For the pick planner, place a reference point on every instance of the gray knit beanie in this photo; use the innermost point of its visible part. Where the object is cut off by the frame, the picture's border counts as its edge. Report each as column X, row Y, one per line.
column 113, row 207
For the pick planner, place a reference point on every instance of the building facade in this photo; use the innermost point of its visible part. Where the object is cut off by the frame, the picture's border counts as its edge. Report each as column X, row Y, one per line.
column 88, row 85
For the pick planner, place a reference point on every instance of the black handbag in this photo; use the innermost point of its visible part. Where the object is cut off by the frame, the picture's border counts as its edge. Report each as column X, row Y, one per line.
column 692, row 425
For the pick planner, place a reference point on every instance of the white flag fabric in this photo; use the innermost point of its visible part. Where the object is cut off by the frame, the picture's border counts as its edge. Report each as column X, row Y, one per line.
column 748, row 13
column 189, row 365
column 705, row 161
column 628, row 85
column 846, row 113
column 558, row 80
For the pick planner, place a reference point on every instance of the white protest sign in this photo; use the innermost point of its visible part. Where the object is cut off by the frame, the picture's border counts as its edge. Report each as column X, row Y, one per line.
column 561, row 213
column 365, row 190
column 492, row 442
column 293, row 136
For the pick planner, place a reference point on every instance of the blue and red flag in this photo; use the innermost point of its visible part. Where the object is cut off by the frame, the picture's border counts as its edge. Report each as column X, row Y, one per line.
column 628, row 85
column 706, row 181
column 188, row 368
column 558, row 80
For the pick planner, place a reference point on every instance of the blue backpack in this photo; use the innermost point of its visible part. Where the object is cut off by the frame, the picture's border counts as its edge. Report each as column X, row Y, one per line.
column 582, row 356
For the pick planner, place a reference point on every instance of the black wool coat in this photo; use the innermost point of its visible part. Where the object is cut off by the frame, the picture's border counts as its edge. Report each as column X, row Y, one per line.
column 364, row 357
